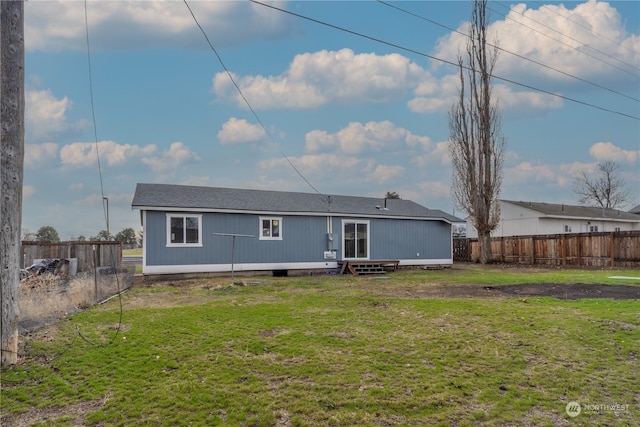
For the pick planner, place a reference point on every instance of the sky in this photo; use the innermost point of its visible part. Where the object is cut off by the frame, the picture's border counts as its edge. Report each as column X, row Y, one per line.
column 338, row 97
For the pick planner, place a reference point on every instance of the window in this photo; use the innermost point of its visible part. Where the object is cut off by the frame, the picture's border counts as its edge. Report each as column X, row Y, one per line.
column 567, row 229
column 356, row 239
column 593, row 228
column 617, row 229
column 184, row 230
column 270, row 228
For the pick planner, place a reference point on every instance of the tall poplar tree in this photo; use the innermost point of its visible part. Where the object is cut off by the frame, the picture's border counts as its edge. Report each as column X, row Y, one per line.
column 476, row 142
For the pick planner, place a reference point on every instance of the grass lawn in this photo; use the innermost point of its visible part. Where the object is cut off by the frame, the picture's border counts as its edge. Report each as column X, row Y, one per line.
column 336, row 351
column 132, row 252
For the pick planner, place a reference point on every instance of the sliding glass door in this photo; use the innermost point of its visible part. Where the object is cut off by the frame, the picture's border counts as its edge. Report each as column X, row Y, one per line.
column 355, row 239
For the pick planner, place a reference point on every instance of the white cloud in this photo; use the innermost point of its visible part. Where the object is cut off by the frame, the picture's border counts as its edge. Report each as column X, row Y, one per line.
column 46, row 115
column 316, row 164
column 177, row 154
column 439, row 154
column 372, row 136
column 527, row 172
column 341, row 168
column 607, row 151
column 83, row 154
column 238, row 131
column 383, row 173
column 579, row 41
column 441, row 97
column 315, row 79
column 37, row 154
column 60, row 25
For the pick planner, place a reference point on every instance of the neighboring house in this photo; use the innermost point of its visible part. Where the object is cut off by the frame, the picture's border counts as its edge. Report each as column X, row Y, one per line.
column 188, row 229
column 531, row 218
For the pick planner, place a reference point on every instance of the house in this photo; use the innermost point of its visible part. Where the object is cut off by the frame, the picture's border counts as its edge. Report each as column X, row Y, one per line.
column 190, row 229
column 532, row 218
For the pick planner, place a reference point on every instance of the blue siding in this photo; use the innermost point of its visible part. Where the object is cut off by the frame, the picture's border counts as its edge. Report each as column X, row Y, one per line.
column 408, row 239
column 303, row 240
column 402, row 238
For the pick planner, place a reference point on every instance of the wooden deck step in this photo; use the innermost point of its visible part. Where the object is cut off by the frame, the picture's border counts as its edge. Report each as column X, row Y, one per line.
column 369, row 266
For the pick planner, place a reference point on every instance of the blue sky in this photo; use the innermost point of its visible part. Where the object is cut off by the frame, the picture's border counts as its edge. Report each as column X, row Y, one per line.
column 354, row 115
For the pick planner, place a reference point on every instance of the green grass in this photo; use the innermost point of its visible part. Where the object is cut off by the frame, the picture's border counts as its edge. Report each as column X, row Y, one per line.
column 132, row 252
column 337, row 351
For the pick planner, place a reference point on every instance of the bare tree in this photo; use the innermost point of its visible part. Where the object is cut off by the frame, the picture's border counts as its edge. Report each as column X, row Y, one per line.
column 476, row 143
column 604, row 188
column 392, row 195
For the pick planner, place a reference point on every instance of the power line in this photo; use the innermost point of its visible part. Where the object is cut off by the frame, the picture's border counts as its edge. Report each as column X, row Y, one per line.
column 580, row 24
column 93, row 110
column 567, row 44
column 105, row 209
column 255, row 115
column 509, row 52
column 416, row 52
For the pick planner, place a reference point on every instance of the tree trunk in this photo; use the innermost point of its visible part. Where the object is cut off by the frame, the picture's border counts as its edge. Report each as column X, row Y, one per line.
column 11, row 167
column 484, row 246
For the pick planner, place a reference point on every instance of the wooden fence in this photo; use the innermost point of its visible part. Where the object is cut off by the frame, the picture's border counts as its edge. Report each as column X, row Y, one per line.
column 89, row 254
column 609, row 249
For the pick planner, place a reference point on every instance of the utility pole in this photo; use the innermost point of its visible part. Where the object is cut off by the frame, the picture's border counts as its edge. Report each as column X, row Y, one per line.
column 11, row 172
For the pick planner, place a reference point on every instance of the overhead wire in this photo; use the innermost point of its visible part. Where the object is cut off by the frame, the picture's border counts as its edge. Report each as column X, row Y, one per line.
column 533, row 61
column 104, row 198
column 580, row 24
column 445, row 61
column 244, row 98
column 597, row 58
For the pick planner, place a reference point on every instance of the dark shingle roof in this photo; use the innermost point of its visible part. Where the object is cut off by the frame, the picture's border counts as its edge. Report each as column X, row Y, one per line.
column 562, row 210
column 165, row 196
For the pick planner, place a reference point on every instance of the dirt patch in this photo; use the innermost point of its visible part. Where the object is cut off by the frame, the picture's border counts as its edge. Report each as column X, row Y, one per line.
column 562, row 291
column 71, row 415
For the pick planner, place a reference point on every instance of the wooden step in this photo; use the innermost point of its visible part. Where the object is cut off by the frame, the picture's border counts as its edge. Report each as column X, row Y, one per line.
column 368, row 267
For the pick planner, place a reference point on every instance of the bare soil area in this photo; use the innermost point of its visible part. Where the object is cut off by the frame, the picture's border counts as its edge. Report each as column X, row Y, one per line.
column 561, row 291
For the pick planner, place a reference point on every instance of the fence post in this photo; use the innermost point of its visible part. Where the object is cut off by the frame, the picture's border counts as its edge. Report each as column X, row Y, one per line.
column 579, row 249
column 612, row 248
column 533, row 251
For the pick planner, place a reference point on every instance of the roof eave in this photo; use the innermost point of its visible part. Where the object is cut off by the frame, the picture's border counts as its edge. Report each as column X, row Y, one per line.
column 302, row 213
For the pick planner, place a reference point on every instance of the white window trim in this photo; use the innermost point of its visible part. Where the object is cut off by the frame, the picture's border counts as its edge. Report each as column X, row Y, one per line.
column 357, row 221
column 270, row 219
column 183, row 215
